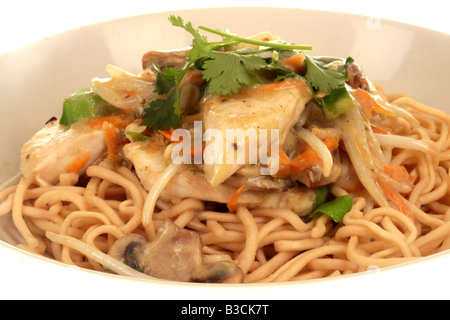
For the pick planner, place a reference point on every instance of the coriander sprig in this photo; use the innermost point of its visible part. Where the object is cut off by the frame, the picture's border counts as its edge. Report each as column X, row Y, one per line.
column 272, row 45
column 225, row 72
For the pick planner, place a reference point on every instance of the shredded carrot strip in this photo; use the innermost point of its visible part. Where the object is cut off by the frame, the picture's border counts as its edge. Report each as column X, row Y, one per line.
column 234, row 200
column 196, row 150
column 304, row 160
column 369, row 105
column 377, row 129
column 167, row 134
column 309, row 157
column 119, row 121
column 393, row 197
column 79, row 163
column 295, row 62
column 285, row 161
column 110, row 134
column 398, row 173
column 332, row 143
column 284, row 169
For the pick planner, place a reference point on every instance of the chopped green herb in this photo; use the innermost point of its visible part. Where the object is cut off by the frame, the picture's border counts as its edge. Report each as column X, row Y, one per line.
column 167, row 79
column 225, row 72
column 321, row 77
column 201, row 47
column 162, row 114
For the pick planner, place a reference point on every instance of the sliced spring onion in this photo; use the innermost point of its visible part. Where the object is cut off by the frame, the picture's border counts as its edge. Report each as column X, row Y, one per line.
column 336, row 208
column 85, row 104
column 337, row 102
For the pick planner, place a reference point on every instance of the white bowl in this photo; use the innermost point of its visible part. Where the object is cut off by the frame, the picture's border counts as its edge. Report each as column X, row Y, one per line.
column 35, row 79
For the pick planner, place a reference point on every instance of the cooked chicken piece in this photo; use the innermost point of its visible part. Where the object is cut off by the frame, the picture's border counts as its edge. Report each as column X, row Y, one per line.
column 271, row 106
column 175, row 254
column 148, row 160
column 57, row 149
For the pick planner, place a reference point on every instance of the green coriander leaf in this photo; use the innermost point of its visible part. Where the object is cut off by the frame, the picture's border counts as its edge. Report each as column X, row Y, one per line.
column 200, row 44
column 166, row 80
column 201, row 47
column 226, row 72
column 291, row 75
column 323, row 78
column 336, row 209
column 163, row 114
column 178, row 21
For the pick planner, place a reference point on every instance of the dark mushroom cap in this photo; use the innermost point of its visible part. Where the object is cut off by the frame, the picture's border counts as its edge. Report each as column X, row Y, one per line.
column 128, row 249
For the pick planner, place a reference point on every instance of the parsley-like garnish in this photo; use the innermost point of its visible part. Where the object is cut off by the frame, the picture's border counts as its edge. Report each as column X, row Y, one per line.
column 322, row 77
column 225, row 72
column 163, row 114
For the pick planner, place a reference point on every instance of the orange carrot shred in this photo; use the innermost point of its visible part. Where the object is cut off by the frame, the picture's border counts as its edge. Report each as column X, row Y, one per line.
column 393, row 197
column 309, row 157
column 398, row 173
column 119, row 121
column 110, row 134
column 295, row 62
column 284, row 169
column 369, row 105
column 79, row 163
column 377, row 129
column 304, row 160
column 167, row 134
column 234, row 200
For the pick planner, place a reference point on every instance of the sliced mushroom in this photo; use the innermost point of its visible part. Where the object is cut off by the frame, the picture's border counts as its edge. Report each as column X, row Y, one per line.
column 128, row 250
column 162, row 59
column 357, row 78
column 259, row 183
column 175, row 254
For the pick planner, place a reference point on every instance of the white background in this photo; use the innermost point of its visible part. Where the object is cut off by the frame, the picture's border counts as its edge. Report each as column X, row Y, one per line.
column 22, row 21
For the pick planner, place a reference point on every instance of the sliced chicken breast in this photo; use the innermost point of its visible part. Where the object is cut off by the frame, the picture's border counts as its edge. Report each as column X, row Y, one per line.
column 265, row 107
column 57, row 149
column 149, row 161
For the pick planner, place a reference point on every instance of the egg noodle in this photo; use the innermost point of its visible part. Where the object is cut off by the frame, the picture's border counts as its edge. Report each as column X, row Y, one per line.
column 388, row 153
column 268, row 245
